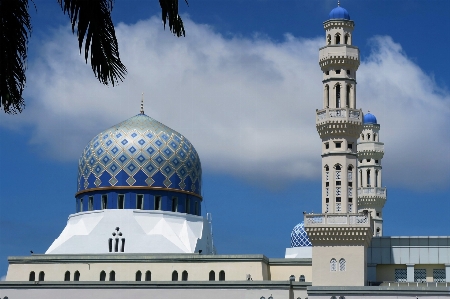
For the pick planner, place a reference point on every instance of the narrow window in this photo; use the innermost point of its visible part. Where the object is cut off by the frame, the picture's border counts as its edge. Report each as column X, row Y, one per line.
column 338, row 72
column 188, row 205
column 350, row 146
column 41, row 276
column 212, row 275
column 337, row 38
column 360, row 178
column 348, row 72
column 329, row 39
column 157, row 202
column 368, row 137
column 112, row 276
column 174, row 276
column 222, row 275
column 110, row 241
column 138, row 276
column 67, row 276
column 346, row 39
column 184, row 276
column 338, row 144
column 376, row 178
column 32, row 276
column 196, row 208
column 378, row 232
column 91, row 203
column 368, row 160
column 327, row 145
column 148, row 276
column 347, row 98
column 140, row 202
column 333, row 265
column 342, row 265
column 76, row 276
column 338, row 95
column 104, row 201
column 374, row 137
column 122, row 248
column 174, row 204
column 121, row 201
column 302, row 278
column 368, row 178
column 81, row 204
column 378, row 214
column 376, row 161
column 327, row 73
column 328, row 94
column 362, row 136
column 102, row 276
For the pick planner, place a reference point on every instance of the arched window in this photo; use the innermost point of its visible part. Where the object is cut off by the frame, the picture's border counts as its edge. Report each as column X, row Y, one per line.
column 368, row 136
column 376, row 178
column 374, row 137
column 346, row 39
column 41, row 276
column 362, row 136
column 174, row 276
column 76, row 276
column 138, row 276
column 333, row 265
column 329, row 39
column 104, row 201
column 342, row 265
column 112, row 276
column 67, row 276
column 368, row 177
column 378, row 232
column 222, row 275
column 360, row 178
column 337, row 39
column 102, row 276
column 338, row 96
column 302, row 278
column 32, row 276
column 212, row 275
column 347, row 98
column 327, row 96
column 337, row 167
column 184, row 276
column 148, row 276
column 350, row 173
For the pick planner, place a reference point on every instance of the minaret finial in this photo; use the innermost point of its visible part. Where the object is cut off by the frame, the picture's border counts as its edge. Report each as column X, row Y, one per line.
column 339, row 3
column 142, row 104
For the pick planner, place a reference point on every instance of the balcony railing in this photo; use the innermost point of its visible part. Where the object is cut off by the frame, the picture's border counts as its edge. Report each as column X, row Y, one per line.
column 330, row 219
column 370, row 191
column 339, row 114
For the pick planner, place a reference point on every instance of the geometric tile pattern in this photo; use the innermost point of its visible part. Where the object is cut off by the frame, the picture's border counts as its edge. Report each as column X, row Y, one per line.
column 299, row 237
column 400, row 275
column 438, row 275
column 140, row 151
column 420, row 275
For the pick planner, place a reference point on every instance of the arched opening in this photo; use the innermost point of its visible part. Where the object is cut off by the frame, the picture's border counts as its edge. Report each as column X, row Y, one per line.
column 76, row 276
column 337, row 167
column 41, row 276
column 67, row 276
column 337, row 39
column 368, row 136
column 378, row 232
column 346, row 39
column 184, row 276
column 174, row 276
column 112, row 276
column 102, row 276
column 104, row 201
column 121, row 201
column 338, row 96
column 333, row 265
column 148, row 276
column 362, row 136
column 138, row 276
column 32, row 276
column 374, row 137
column 302, row 278
column 212, row 275
column 360, row 178
column 329, row 39
column 376, row 178
column 342, row 265
column 347, row 97
column 327, row 96
column 368, row 177
column 222, row 275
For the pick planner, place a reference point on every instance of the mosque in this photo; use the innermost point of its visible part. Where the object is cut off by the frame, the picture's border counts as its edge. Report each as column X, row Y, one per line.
column 138, row 229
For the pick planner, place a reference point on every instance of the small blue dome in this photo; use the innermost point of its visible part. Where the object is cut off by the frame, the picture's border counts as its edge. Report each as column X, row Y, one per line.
column 339, row 13
column 369, row 118
column 299, row 237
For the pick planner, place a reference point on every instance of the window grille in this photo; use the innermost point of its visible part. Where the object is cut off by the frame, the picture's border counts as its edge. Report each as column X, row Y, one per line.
column 302, row 278
column 327, row 175
column 338, row 207
column 327, row 191
column 333, row 265
column 420, row 275
column 350, row 176
column 350, row 192
column 350, row 208
column 400, row 275
column 439, row 275
column 342, row 265
column 327, row 207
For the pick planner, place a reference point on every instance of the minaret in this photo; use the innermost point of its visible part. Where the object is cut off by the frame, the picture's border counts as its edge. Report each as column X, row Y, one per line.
column 340, row 235
column 371, row 196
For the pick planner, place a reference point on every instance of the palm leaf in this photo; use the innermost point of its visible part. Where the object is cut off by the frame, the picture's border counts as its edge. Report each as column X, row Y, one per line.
column 96, row 29
column 15, row 29
column 169, row 11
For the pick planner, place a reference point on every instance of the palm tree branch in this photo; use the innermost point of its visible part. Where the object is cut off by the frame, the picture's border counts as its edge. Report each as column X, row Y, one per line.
column 169, row 12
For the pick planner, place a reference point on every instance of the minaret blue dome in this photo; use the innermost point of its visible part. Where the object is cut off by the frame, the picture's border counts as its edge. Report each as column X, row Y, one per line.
column 140, row 152
column 299, row 237
column 339, row 13
column 369, row 118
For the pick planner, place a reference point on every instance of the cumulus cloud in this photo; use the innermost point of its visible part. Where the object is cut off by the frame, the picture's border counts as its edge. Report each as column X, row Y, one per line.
column 248, row 105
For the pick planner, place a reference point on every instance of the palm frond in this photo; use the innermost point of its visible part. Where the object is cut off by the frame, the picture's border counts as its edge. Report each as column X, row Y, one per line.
column 169, row 11
column 15, row 30
column 96, row 29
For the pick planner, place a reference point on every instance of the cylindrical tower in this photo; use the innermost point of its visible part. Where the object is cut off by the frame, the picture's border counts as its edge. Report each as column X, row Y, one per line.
column 371, row 194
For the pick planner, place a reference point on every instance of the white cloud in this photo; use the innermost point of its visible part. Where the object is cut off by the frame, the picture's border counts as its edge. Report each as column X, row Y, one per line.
column 248, row 105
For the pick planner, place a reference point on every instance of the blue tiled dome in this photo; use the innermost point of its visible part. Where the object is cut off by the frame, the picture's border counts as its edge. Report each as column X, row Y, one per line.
column 339, row 13
column 369, row 118
column 140, row 152
column 299, row 238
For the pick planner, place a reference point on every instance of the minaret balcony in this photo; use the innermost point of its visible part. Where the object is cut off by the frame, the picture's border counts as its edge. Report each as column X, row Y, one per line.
column 372, row 192
column 354, row 219
column 371, row 146
column 339, row 115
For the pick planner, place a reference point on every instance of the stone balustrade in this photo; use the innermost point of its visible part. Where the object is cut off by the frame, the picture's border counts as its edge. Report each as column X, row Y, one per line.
column 337, row 219
column 371, row 191
column 339, row 114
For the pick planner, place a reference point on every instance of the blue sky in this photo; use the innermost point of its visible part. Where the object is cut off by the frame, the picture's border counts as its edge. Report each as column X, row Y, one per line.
column 242, row 86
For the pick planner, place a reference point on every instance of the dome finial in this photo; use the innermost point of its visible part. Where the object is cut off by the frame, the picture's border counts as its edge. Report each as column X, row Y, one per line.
column 142, row 104
column 339, row 4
